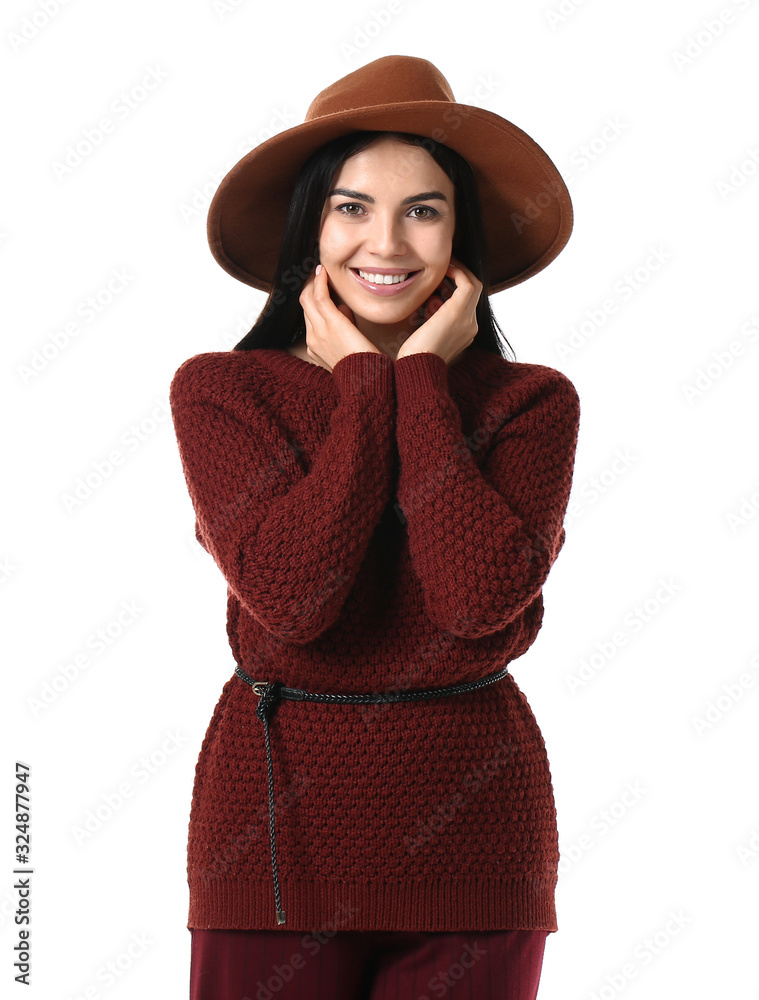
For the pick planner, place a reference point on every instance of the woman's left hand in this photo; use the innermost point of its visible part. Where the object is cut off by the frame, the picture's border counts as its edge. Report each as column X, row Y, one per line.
column 449, row 326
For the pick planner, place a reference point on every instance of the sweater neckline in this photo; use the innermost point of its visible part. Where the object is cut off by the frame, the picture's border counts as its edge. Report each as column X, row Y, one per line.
column 307, row 373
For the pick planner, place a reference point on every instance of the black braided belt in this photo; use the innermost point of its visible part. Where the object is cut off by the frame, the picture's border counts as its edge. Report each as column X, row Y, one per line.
column 271, row 693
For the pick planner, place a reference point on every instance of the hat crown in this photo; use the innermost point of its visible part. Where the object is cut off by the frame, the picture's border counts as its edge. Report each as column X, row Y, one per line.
column 389, row 80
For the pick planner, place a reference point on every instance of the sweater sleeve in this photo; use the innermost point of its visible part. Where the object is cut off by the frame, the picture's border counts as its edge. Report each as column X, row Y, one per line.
column 289, row 540
column 483, row 534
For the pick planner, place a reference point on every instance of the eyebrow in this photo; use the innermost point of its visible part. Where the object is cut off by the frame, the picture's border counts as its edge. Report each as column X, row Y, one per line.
column 359, row 196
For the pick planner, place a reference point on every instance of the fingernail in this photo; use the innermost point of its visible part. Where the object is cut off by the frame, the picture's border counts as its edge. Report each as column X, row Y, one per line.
column 318, row 269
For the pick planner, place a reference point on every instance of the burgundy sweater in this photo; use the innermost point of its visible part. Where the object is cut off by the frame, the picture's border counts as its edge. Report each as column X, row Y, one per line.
column 385, row 526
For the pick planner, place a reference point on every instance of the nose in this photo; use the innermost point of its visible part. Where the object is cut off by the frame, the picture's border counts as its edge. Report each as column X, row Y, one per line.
column 384, row 236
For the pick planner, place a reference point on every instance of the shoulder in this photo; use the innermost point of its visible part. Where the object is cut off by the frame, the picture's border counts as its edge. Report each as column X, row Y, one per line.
column 524, row 384
column 215, row 376
column 550, row 382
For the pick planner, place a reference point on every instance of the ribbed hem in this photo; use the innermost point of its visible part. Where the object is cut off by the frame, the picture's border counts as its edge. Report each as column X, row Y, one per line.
column 417, row 375
column 521, row 902
column 364, row 373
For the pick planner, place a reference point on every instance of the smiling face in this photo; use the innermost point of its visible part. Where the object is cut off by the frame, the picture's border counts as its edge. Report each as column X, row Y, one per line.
column 386, row 235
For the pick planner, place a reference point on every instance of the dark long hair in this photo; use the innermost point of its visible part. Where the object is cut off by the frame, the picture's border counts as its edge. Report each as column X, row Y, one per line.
column 281, row 321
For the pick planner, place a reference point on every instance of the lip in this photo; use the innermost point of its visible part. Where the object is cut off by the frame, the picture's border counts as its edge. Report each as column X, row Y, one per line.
column 385, row 289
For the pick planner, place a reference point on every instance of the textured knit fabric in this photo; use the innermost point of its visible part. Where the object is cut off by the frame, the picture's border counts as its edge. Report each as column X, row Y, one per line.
column 365, row 965
column 388, row 525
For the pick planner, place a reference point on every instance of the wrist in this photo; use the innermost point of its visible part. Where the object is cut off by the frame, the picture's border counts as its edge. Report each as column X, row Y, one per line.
column 412, row 353
column 419, row 375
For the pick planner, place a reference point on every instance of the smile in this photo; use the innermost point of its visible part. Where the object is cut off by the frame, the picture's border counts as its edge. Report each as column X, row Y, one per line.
column 384, row 284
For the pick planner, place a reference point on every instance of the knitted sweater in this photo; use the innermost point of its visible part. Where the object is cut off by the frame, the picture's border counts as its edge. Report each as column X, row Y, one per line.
column 384, row 526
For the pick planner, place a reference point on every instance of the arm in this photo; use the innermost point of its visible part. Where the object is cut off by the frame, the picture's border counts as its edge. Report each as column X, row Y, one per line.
column 482, row 540
column 289, row 541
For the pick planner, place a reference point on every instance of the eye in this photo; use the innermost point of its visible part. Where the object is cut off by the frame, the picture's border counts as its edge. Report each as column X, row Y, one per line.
column 424, row 208
column 349, row 204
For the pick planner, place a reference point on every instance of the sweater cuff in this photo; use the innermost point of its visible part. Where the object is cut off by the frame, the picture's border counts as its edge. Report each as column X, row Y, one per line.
column 364, row 373
column 417, row 375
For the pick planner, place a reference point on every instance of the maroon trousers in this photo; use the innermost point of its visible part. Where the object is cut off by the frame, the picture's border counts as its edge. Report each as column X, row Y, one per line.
column 365, row 965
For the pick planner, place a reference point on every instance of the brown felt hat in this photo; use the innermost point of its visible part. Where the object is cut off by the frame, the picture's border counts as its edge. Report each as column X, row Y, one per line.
column 526, row 208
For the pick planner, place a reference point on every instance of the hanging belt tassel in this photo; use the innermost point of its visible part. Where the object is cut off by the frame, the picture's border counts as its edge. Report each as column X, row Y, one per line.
column 269, row 695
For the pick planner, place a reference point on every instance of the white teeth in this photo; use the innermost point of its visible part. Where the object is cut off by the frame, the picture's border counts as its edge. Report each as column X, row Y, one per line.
column 383, row 279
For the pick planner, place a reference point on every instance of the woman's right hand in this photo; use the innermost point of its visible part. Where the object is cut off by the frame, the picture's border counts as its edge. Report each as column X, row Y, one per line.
column 330, row 332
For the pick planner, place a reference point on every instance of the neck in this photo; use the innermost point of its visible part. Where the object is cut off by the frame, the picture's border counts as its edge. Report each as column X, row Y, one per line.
column 387, row 337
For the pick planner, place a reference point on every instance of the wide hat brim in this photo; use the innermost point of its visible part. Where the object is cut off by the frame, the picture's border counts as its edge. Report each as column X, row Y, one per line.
column 526, row 207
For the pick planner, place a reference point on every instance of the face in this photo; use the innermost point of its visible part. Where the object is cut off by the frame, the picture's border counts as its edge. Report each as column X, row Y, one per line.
column 390, row 211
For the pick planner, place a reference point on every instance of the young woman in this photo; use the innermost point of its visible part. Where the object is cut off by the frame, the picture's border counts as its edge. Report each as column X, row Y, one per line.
column 384, row 493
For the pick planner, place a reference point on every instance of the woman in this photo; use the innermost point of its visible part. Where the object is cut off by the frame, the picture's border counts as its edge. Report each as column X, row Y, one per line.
column 384, row 493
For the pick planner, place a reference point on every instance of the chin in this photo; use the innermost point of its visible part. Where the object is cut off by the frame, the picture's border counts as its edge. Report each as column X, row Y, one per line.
column 385, row 317
column 384, row 310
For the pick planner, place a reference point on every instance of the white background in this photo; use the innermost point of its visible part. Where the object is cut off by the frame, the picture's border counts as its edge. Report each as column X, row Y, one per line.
column 676, row 474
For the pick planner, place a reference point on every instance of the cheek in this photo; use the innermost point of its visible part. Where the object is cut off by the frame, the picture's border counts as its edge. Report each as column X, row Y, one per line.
column 332, row 241
column 325, row 247
column 326, row 240
column 441, row 267
column 439, row 251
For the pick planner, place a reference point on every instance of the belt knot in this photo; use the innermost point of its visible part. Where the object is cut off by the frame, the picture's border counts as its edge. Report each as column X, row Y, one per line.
column 270, row 696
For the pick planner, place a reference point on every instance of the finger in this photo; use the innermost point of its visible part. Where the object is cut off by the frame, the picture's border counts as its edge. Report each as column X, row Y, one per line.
column 321, row 294
column 465, row 279
column 460, row 268
column 309, row 324
column 321, row 280
column 458, row 272
column 459, row 265
column 307, row 291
